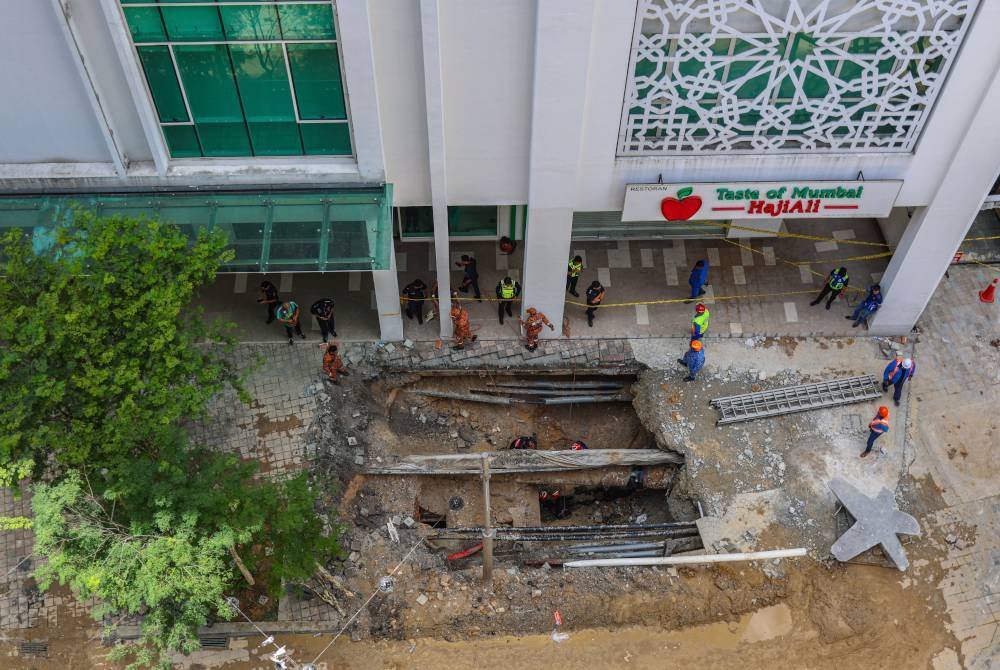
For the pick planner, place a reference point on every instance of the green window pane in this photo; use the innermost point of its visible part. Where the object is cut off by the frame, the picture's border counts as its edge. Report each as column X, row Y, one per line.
column 316, row 75
column 263, row 86
column 250, row 22
column 211, row 92
column 244, row 225
column 332, row 139
column 416, row 221
column 182, row 141
column 472, row 221
column 306, row 22
column 162, row 82
column 348, row 239
column 295, row 234
column 192, row 24
column 145, row 24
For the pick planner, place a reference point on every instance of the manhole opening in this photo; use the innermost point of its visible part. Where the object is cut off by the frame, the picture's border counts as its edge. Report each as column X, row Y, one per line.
column 33, row 649
column 213, row 641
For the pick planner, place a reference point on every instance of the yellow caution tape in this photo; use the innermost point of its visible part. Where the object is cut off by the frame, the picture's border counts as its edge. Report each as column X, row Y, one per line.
column 844, row 260
column 798, row 236
column 702, row 299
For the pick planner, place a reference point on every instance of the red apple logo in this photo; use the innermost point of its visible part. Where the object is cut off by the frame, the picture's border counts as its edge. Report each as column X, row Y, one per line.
column 681, row 208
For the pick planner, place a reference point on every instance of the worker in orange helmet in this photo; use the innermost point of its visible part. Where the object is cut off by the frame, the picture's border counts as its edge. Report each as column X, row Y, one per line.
column 462, row 330
column 878, row 425
column 533, row 327
column 694, row 359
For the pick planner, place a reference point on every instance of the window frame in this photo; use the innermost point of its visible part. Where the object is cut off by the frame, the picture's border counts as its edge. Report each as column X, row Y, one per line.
column 346, row 159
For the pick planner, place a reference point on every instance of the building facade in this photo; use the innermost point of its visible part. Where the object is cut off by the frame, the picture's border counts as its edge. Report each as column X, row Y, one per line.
column 317, row 131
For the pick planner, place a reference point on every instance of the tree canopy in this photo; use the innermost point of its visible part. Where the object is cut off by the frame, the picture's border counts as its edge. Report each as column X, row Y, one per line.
column 102, row 361
column 100, row 342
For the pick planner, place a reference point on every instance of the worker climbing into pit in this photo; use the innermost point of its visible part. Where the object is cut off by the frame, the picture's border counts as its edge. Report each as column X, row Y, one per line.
column 462, row 330
column 699, row 324
column 694, row 360
column 553, row 502
column 533, row 327
column 524, row 442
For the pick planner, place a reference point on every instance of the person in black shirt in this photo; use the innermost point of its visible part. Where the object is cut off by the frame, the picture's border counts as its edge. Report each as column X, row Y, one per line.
column 471, row 277
column 415, row 293
column 268, row 295
column 322, row 309
column 595, row 294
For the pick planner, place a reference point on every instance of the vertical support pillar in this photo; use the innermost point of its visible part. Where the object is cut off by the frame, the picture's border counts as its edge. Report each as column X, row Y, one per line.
column 359, row 74
column 936, row 231
column 562, row 55
column 390, row 320
column 487, row 527
column 430, row 30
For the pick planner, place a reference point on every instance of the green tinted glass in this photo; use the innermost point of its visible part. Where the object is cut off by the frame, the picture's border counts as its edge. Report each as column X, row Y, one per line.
column 326, row 138
column 145, row 25
column 211, row 92
column 192, row 24
column 162, row 81
column 306, row 22
column 267, row 99
column 316, row 74
column 250, row 22
column 182, row 141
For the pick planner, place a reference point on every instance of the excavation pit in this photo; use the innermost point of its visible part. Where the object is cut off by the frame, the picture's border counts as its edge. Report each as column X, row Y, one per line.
column 615, row 491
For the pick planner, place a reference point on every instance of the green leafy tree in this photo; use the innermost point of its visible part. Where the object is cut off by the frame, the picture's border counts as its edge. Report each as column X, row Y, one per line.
column 100, row 344
column 102, row 359
column 157, row 537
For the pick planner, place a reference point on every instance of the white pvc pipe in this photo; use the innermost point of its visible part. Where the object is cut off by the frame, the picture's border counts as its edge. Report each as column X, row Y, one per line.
column 683, row 560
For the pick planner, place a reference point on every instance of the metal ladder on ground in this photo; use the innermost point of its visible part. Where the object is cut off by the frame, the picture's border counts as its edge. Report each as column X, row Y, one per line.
column 801, row 398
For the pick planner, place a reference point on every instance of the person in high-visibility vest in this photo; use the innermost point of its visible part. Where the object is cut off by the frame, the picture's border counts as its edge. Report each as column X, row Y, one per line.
column 699, row 324
column 573, row 275
column 835, row 284
column 878, row 426
column 507, row 291
column 898, row 372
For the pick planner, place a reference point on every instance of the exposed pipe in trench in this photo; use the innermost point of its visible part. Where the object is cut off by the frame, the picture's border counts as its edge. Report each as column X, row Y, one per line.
column 686, row 560
column 499, row 400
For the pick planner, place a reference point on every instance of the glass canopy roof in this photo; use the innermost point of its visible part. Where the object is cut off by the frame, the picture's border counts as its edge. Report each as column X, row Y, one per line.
column 305, row 231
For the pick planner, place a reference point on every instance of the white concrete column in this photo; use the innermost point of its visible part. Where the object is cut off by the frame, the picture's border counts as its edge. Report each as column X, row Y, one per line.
column 390, row 319
column 430, row 30
column 562, row 54
column 359, row 73
column 936, row 231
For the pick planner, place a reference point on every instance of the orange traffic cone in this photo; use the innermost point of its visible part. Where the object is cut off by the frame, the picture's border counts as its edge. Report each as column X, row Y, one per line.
column 987, row 294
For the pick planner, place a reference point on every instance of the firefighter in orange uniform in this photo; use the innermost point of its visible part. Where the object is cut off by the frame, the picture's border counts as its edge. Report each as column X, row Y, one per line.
column 533, row 327
column 333, row 364
column 461, row 328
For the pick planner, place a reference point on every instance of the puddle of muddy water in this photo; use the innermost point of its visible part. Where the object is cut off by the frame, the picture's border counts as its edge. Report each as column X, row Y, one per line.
column 763, row 624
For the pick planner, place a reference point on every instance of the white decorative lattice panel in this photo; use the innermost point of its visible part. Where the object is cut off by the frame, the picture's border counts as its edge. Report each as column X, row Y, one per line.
column 756, row 76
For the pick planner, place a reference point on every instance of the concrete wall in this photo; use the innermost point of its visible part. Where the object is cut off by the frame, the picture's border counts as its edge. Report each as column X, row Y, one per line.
column 45, row 115
column 399, row 77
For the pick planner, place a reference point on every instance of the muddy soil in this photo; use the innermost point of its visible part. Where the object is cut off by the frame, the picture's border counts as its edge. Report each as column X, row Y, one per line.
column 424, row 425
